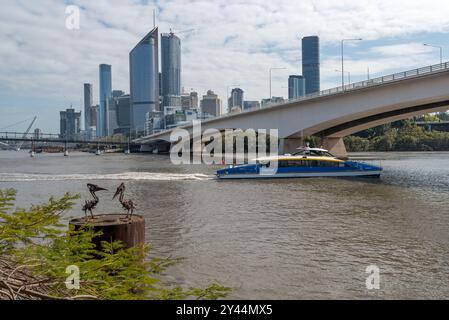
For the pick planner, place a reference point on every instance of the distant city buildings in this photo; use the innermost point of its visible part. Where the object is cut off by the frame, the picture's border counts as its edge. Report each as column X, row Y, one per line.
column 311, row 63
column 144, row 80
column 273, row 100
column 211, row 104
column 105, row 95
column 171, row 69
column 93, row 115
column 156, row 101
column 154, row 122
column 123, row 109
column 236, row 99
column 189, row 100
column 296, row 86
column 88, row 102
column 248, row 105
column 70, row 123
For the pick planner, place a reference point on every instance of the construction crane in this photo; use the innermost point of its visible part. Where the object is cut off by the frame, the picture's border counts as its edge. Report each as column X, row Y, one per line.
column 26, row 133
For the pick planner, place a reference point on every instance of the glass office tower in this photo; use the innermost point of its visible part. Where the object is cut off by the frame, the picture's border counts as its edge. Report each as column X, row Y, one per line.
column 296, row 86
column 236, row 99
column 144, row 80
column 311, row 63
column 105, row 95
column 171, row 69
column 88, row 102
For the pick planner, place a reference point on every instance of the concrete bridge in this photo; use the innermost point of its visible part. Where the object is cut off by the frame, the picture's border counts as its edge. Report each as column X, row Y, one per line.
column 335, row 113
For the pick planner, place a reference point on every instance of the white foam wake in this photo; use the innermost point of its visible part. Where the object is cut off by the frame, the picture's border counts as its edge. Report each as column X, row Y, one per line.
column 161, row 176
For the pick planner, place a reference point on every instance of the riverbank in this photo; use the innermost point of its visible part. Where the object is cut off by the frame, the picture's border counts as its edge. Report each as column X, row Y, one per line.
column 406, row 137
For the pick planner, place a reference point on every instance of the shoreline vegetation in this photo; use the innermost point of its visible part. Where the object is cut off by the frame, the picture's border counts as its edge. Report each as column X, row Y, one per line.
column 402, row 135
column 39, row 253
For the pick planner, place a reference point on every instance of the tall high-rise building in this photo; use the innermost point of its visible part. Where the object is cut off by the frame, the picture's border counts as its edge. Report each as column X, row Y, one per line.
column 189, row 100
column 123, row 111
column 87, row 105
column 171, row 69
column 311, row 63
column 211, row 104
column 93, row 115
column 296, row 86
column 236, row 99
column 69, row 123
column 105, row 95
column 144, row 79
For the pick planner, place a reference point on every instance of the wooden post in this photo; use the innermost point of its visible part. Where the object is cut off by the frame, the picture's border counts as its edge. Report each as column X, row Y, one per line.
column 115, row 227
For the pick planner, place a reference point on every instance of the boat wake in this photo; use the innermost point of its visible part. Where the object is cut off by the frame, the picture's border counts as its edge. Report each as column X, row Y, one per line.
column 159, row 176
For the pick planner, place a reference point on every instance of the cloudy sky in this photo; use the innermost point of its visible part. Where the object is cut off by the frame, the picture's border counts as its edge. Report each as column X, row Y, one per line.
column 43, row 65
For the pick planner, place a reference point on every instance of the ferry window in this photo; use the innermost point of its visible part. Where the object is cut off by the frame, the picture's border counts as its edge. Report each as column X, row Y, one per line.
column 283, row 164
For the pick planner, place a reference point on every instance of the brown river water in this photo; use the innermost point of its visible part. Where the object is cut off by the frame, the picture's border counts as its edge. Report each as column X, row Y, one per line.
column 271, row 239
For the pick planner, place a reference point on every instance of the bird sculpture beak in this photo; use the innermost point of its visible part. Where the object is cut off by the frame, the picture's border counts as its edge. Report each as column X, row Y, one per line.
column 116, row 194
column 99, row 188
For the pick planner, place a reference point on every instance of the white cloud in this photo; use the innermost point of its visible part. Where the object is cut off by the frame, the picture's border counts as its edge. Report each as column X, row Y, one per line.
column 43, row 63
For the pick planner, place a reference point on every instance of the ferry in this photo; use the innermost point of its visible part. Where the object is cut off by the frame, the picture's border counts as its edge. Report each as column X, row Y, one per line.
column 306, row 162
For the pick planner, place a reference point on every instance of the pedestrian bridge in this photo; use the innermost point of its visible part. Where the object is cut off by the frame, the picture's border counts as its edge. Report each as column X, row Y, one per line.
column 335, row 113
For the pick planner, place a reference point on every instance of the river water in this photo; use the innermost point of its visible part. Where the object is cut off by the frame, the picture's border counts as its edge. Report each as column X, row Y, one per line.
column 272, row 239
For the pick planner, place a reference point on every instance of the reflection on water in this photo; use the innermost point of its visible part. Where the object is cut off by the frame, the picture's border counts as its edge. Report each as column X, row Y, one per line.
column 293, row 238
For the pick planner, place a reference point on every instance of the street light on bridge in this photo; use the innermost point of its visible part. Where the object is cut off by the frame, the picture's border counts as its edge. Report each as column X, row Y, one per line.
column 342, row 61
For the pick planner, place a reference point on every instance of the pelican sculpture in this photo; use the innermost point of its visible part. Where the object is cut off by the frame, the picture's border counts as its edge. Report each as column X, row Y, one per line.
column 91, row 204
column 127, row 204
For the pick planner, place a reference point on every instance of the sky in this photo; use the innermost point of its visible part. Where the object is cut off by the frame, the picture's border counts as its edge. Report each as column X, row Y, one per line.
column 43, row 64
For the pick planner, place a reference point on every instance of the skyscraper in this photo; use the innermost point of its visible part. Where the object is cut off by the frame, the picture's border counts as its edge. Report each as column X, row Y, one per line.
column 236, row 99
column 171, row 69
column 87, row 105
column 123, row 111
column 311, row 63
column 144, row 79
column 189, row 100
column 70, row 123
column 93, row 115
column 105, row 95
column 296, row 86
column 211, row 104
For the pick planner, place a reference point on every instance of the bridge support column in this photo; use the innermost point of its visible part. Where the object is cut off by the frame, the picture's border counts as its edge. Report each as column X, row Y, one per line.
column 289, row 145
column 336, row 146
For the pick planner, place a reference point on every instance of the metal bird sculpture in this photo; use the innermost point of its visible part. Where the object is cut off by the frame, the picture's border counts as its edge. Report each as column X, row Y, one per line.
column 127, row 204
column 91, row 204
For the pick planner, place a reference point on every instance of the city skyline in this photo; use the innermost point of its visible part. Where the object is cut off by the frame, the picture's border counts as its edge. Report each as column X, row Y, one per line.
column 220, row 52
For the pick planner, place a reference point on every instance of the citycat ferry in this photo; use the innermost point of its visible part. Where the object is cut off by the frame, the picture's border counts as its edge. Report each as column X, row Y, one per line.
column 306, row 162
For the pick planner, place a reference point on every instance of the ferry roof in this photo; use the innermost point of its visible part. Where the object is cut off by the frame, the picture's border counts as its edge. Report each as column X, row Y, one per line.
column 312, row 149
column 299, row 157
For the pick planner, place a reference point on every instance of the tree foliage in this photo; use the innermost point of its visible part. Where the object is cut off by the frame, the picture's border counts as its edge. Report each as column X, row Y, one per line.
column 36, row 248
column 400, row 136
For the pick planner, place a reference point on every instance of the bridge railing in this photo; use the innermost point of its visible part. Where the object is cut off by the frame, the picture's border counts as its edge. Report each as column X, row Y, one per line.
column 372, row 82
column 58, row 138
